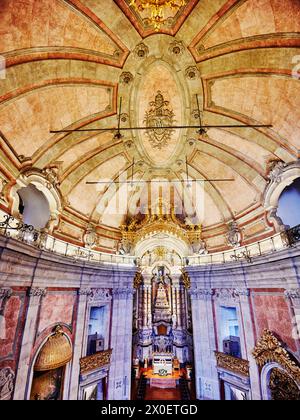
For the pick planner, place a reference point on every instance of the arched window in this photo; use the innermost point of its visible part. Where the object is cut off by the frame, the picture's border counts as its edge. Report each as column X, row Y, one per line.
column 289, row 204
column 34, row 207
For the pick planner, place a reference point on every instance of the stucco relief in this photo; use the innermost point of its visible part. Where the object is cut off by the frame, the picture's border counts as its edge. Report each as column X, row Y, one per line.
column 7, row 378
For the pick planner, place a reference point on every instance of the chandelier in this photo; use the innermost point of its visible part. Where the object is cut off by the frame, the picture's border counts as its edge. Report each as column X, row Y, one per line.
column 157, row 9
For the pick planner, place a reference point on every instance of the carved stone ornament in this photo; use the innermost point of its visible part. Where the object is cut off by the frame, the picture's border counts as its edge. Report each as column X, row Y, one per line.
column 176, row 48
column 276, row 171
column 159, row 115
column 126, row 78
column 85, row 292
column 7, row 379
column 101, row 295
column 90, row 237
column 141, row 51
column 269, row 349
column 233, row 364
column 192, row 73
column 123, row 293
column 201, row 294
column 5, row 293
column 292, row 294
column 230, row 296
column 37, row 292
column 234, row 236
column 52, row 176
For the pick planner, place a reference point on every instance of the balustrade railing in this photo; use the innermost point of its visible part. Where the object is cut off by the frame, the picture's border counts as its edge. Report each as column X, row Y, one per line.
column 248, row 253
column 10, row 227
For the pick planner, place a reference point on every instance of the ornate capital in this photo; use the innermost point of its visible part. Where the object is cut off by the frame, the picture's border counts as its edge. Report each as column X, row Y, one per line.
column 201, row 294
column 37, row 292
column 85, row 292
column 123, row 293
column 230, row 295
column 292, row 294
column 5, row 294
column 102, row 295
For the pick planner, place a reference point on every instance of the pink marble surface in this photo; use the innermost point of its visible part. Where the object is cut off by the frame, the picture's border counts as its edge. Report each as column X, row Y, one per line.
column 56, row 308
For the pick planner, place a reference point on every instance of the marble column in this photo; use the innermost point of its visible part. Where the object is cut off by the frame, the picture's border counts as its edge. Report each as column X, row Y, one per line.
column 79, row 339
column 293, row 297
column 206, row 376
column 119, row 383
column 244, row 297
column 22, row 375
column 5, row 294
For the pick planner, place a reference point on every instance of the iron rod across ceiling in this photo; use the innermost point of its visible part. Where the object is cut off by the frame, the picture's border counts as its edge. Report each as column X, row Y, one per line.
column 155, row 181
column 178, row 127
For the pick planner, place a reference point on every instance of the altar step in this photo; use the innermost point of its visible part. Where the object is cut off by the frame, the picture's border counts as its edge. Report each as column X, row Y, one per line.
column 163, row 383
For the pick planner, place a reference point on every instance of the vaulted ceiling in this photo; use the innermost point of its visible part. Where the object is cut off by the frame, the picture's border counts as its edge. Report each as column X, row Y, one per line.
column 69, row 61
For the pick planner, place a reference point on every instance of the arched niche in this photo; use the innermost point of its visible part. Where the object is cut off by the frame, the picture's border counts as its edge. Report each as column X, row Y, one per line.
column 50, row 372
column 30, row 186
column 279, row 369
column 281, row 176
column 277, row 384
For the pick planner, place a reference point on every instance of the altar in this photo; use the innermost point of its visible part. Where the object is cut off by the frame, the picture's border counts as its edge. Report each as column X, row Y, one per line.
column 162, row 364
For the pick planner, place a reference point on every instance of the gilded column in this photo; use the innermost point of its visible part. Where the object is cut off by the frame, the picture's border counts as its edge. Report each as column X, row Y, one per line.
column 293, row 297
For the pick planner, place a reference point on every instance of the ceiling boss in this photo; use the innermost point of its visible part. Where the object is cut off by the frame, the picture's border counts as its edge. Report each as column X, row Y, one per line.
column 158, row 9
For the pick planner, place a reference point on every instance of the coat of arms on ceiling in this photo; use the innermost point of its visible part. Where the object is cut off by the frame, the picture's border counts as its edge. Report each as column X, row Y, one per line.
column 157, row 118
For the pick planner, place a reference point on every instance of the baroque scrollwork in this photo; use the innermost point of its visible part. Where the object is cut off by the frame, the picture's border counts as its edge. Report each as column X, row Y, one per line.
column 201, row 294
column 270, row 349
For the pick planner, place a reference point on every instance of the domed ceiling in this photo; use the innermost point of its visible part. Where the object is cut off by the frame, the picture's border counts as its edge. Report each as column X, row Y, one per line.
column 68, row 63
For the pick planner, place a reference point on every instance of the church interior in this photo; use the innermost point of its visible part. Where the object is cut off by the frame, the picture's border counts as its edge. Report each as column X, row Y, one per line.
column 150, row 200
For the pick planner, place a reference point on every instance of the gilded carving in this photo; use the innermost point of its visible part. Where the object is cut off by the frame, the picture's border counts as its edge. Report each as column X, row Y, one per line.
column 138, row 279
column 270, row 349
column 135, row 230
column 186, row 279
column 282, row 387
column 95, row 361
column 233, row 364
